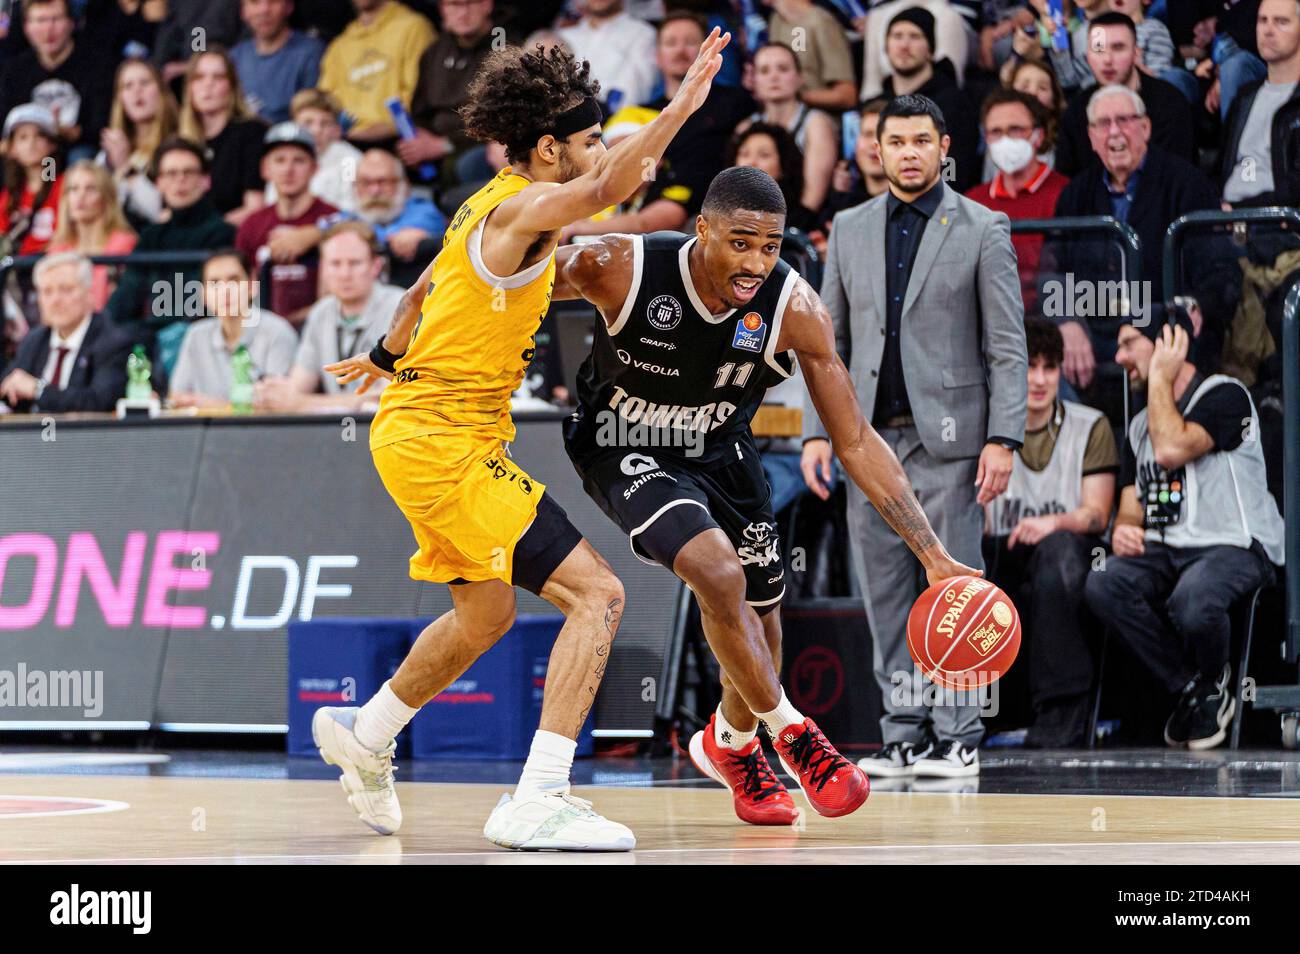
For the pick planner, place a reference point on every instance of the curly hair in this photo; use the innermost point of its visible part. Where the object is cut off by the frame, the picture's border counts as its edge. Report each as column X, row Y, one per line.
column 517, row 95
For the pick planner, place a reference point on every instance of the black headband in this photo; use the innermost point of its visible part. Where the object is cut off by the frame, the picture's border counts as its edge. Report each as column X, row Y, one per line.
column 583, row 116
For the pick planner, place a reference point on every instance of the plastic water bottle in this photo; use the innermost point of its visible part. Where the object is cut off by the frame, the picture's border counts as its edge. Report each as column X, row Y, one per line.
column 138, row 371
column 241, row 381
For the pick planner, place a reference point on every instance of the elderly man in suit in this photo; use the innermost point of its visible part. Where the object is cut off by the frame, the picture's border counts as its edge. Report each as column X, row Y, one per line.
column 75, row 360
column 923, row 288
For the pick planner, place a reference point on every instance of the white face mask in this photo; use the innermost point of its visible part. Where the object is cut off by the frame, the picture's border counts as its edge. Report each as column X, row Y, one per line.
column 1010, row 154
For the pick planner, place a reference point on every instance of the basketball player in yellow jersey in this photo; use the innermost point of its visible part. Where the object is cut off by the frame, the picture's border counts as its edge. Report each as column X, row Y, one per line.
column 456, row 349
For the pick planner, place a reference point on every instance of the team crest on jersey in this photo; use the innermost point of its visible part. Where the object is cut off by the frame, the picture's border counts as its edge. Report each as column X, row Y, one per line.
column 664, row 313
column 750, row 332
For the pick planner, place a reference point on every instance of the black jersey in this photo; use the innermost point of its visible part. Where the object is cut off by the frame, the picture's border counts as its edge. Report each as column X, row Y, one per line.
column 667, row 374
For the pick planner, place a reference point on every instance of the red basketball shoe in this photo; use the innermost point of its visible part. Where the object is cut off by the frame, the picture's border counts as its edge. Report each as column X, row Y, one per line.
column 833, row 784
column 759, row 796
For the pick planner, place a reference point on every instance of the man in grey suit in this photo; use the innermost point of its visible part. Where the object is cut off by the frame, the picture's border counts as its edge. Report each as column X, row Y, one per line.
column 923, row 288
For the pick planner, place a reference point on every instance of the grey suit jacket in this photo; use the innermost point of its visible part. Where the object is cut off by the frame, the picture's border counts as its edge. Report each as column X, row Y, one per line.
column 962, row 337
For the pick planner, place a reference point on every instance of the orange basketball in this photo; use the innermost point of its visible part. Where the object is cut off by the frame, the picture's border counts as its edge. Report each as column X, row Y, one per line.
column 964, row 633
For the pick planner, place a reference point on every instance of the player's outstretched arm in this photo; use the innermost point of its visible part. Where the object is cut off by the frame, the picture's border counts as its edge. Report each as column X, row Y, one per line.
column 544, row 207
column 806, row 327
column 394, row 341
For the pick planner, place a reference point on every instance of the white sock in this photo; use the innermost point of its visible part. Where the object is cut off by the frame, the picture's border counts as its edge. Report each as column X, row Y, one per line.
column 727, row 735
column 382, row 718
column 783, row 715
column 547, row 770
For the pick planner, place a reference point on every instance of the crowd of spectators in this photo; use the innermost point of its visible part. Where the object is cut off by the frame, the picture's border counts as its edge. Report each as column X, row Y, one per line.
column 265, row 138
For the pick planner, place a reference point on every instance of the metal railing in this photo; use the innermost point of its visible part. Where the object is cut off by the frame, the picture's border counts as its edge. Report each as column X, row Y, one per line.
column 1123, row 235
column 1282, row 216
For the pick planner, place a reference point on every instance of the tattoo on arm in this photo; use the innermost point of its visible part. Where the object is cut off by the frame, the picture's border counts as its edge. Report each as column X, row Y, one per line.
column 905, row 515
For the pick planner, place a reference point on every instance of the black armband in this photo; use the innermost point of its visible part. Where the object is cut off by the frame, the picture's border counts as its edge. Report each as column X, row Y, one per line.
column 383, row 358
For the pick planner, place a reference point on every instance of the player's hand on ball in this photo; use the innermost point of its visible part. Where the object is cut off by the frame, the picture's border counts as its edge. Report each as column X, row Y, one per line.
column 357, row 366
column 1127, row 540
column 947, row 567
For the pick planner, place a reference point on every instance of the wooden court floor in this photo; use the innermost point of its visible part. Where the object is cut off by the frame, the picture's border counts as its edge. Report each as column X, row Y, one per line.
column 166, row 820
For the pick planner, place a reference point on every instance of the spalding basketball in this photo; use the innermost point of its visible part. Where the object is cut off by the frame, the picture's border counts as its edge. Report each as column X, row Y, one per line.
column 964, row 633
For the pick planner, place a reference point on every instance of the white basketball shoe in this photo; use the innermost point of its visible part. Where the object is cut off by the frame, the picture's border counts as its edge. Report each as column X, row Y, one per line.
column 554, row 821
column 367, row 775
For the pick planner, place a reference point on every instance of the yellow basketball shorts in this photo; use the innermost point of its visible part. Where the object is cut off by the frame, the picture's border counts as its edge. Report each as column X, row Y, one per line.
column 467, row 502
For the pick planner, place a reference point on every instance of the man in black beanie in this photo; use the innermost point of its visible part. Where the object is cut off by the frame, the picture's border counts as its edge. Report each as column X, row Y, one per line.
column 909, row 46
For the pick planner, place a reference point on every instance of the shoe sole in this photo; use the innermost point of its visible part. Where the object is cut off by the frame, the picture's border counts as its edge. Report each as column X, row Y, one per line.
column 551, row 844
column 890, row 771
column 943, row 771
column 349, row 775
column 1198, row 745
column 700, row 759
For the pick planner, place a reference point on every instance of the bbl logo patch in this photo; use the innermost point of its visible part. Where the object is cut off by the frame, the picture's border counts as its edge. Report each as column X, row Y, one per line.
column 664, row 313
column 750, row 332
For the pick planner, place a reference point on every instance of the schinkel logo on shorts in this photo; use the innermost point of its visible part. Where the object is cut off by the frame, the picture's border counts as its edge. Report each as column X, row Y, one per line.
column 750, row 332
column 664, row 312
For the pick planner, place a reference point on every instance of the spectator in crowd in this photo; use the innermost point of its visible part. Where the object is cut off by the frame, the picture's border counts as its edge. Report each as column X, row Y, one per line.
column 203, row 371
column 29, row 194
column 186, row 21
column 1261, row 156
column 825, row 60
column 286, row 233
column 1197, row 529
column 620, row 49
column 183, row 175
column 1223, row 38
column 1112, row 56
column 951, row 40
column 771, row 148
column 67, row 77
column 696, row 153
column 1137, row 183
column 384, row 202
column 75, row 360
column 356, row 309
column 215, row 114
column 936, row 349
column 1024, row 187
column 1038, row 43
column 660, row 205
column 1040, row 535
column 336, row 158
column 777, row 80
column 144, row 114
column 276, row 61
column 999, row 21
column 91, row 222
column 864, row 178
column 1039, row 81
column 446, row 68
column 377, row 57
column 1156, row 49
column 909, row 44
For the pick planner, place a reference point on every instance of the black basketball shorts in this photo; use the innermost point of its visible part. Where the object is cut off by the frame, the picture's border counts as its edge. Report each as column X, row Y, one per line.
column 662, row 503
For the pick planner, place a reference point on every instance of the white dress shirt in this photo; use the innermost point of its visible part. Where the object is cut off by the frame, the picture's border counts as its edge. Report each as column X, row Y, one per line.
column 622, row 55
column 73, row 343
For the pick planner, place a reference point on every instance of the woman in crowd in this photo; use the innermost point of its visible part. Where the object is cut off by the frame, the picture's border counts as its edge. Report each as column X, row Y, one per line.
column 777, row 81
column 91, row 222
column 144, row 114
column 29, row 199
column 215, row 113
column 771, row 148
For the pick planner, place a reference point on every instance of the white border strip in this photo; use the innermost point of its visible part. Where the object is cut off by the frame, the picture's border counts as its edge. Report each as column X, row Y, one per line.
column 638, row 265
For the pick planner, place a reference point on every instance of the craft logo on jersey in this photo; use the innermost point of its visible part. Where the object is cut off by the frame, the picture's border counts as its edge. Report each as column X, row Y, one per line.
column 664, row 312
column 750, row 332
column 760, row 545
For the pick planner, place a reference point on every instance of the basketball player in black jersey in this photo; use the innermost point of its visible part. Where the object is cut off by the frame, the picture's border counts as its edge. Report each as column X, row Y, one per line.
column 696, row 328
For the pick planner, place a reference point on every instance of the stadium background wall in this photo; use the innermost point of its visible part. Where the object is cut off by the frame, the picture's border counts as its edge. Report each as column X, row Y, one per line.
column 172, row 554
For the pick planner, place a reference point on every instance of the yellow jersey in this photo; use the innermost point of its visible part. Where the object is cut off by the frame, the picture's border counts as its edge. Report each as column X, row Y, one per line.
column 474, row 338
